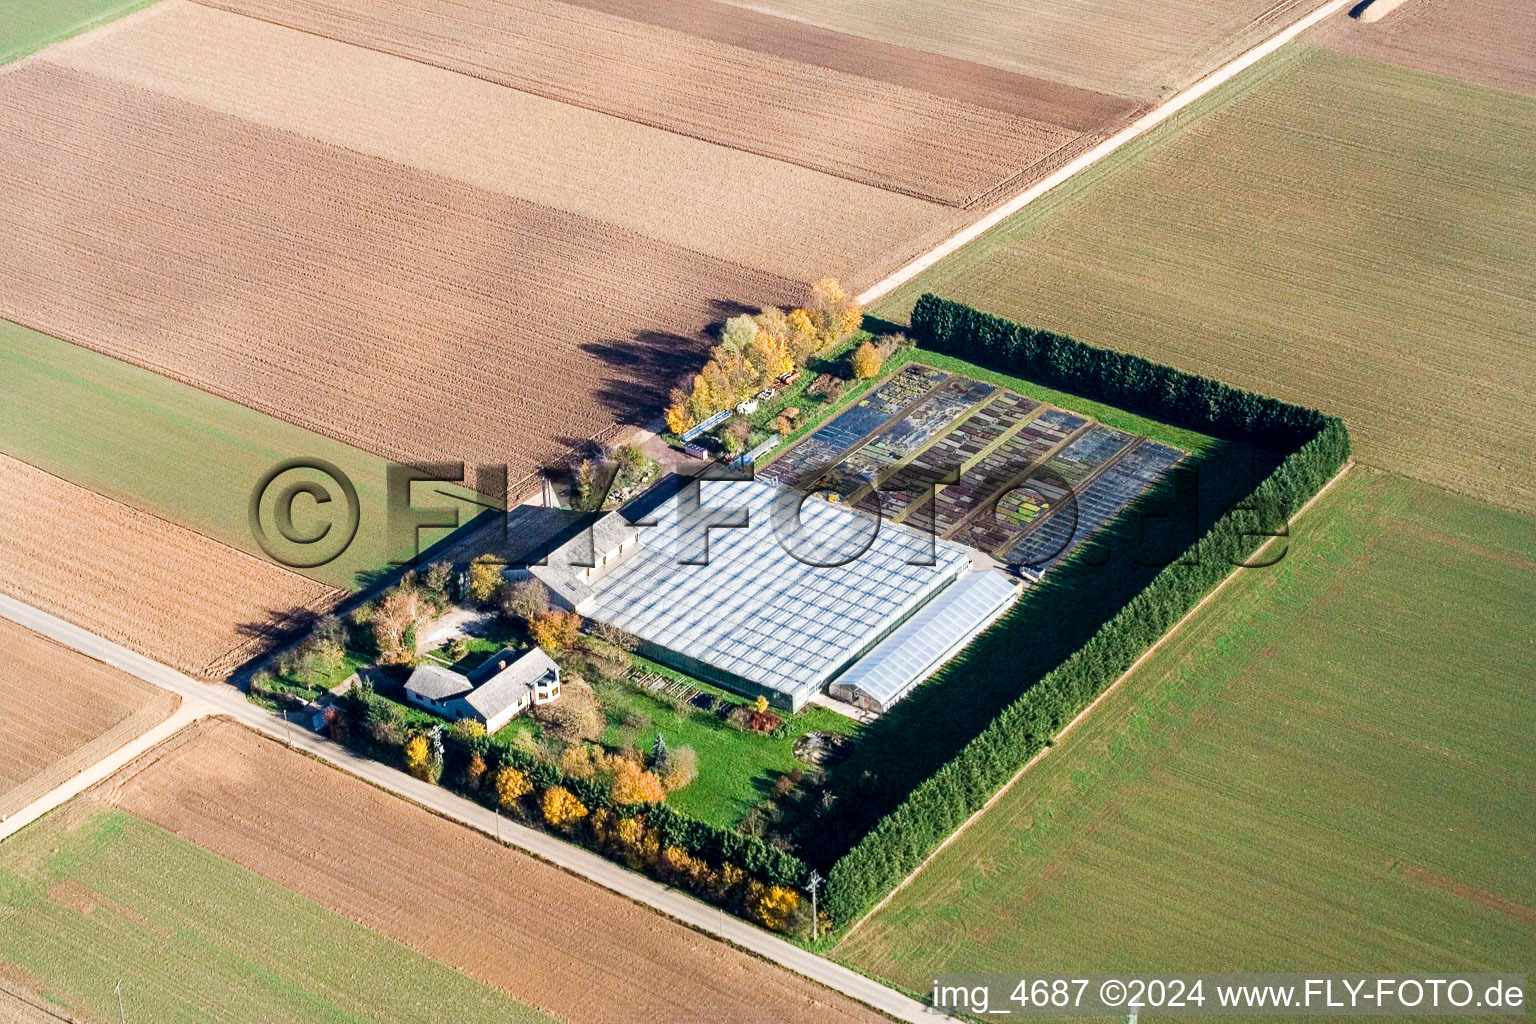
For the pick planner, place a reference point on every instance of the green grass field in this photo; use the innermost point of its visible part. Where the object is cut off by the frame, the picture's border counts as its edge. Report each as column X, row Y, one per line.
column 29, row 25
column 736, row 769
column 1330, row 230
column 169, row 449
column 1329, row 768
column 192, row 936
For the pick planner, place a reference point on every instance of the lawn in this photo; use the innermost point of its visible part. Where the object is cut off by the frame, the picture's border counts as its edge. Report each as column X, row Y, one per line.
column 737, row 769
column 170, row 449
column 94, row 898
column 1341, row 233
column 1327, row 769
column 31, row 25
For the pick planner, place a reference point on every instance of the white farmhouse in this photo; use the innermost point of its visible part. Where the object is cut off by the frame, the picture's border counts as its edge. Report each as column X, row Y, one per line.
column 494, row 694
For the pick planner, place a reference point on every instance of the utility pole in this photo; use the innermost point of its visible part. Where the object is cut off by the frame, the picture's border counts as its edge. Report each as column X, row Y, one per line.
column 117, row 990
column 287, row 729
column 813, row 883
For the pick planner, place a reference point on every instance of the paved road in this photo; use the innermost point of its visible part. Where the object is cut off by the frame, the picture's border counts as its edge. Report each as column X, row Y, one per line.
column 201, row 699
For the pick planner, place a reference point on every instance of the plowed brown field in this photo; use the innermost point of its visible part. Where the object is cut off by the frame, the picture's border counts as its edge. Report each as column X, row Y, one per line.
column 166, row 592
column 1489, row 42
column 518, row 924
column 721, row 202
column 409, row 315
column 898, row 138
column 1038, row 99
column 1139, row 48
column 63, row 712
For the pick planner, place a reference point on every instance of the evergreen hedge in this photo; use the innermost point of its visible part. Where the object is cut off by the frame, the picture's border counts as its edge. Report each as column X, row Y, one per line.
column 1317, row 447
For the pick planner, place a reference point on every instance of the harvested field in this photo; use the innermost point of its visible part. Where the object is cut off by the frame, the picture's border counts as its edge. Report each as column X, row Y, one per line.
column 854, row 127
column 63, row 712
column 1038, row 99
column 408, row 315
column 1328, row 764
column 178, row 453
column 540, row 935
column 98, row 903
column 1341, row 233
column 676, row 189
column 1489, row 42
column 1137, row 48
column 166, row 592
column 33, row 24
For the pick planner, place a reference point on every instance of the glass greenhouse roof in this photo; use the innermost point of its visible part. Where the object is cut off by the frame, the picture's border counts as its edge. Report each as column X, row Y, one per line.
column 930, row 638
column 769, row 605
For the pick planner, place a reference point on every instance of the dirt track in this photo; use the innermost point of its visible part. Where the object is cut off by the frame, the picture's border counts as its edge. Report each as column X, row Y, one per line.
column 409, row 315
column 508, row 920
column 870, row 131
column 164, row 591
column 63, row 712
column 1487, row 42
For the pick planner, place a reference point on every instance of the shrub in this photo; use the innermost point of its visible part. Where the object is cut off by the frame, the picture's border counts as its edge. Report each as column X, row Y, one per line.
column 634, row 785
column 436, row 579
column 623, row 640
column 511, row 785
column 458, row 648
column 474, row 771
column 485, row 579
column 556, row 631
column 561, row 808
column 681, row 768
column 866, row 361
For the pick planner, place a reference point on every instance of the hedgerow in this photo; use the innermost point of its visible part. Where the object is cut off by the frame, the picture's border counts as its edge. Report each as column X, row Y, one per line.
column 1317, row 446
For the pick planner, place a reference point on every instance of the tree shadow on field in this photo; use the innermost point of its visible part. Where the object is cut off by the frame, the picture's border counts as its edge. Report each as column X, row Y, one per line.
column 646, row 367
column 262, row 639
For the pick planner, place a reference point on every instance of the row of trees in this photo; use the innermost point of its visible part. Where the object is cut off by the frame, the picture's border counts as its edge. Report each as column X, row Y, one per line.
column 754, row 351
column 611, row 803
column 1116, row 378
column 1320, row 446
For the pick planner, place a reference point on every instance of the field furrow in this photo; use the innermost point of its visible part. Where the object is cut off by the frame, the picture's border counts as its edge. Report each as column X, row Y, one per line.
column 166, row 592
column 721, row 202
column 517, row 924
column 407, row 314
column 898, row 138
column 63, row 711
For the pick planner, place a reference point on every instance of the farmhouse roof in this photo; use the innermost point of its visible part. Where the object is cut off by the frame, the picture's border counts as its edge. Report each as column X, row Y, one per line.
column 609, row 532
column 506, row 686
column 563, row 583
column 435, row 682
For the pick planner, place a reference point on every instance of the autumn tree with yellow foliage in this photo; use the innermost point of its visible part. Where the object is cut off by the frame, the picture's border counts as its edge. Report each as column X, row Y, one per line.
column 556, row 631
column 837, row 314
column 561, row 807
column 866, row 361
column 634, row 785
column 755, row 351
column 511, row 785
column 771, row 905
